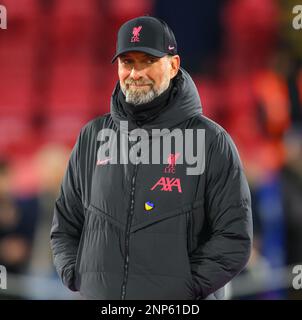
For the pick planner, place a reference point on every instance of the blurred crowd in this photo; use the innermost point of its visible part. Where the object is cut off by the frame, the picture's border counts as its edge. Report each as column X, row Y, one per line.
column 56, row 75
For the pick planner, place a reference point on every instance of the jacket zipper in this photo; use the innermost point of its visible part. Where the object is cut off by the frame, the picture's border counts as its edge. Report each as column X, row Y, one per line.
column 128, row 226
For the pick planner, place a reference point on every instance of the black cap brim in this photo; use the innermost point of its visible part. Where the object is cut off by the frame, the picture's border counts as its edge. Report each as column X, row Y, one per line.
column 152, row 52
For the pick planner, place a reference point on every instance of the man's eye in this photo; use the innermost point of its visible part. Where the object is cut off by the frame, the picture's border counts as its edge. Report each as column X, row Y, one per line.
column 126, row 61
column 150, row 61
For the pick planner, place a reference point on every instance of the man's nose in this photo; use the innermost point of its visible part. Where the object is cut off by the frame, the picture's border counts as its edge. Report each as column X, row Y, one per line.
column 135, row 73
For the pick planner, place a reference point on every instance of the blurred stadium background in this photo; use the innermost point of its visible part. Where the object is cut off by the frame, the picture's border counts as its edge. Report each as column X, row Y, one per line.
column 56, row 75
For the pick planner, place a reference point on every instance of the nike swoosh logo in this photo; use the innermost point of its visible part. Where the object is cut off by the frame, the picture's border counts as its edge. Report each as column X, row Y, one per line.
column 101, row 162
column 171, row 48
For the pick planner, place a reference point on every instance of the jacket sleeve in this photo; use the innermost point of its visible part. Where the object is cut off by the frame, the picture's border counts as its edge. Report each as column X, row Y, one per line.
column 229, row 219
column 67, row 222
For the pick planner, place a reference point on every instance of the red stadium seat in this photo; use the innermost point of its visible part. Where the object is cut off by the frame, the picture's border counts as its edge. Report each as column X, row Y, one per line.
column 14, row 132
column 70, row 102
column 21, row 9
column 73, row 25
column 70, row 87
column 64, row 128
column 72, row 9
column 22, row 16
column 129, row 9
column 16, row 81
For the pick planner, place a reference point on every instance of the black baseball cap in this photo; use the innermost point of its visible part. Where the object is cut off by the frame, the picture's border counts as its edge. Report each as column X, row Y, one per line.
column 146, row 34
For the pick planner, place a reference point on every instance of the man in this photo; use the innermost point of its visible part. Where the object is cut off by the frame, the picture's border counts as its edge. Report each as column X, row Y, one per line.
column 140, row 230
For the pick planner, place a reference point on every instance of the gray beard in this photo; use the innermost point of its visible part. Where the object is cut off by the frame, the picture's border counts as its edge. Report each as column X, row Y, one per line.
column 139, row 97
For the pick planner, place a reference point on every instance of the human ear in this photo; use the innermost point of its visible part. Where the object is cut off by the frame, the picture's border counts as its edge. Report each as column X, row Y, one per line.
column 175, row 64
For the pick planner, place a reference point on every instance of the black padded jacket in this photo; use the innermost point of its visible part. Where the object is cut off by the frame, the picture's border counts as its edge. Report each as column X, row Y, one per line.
column 151, row 231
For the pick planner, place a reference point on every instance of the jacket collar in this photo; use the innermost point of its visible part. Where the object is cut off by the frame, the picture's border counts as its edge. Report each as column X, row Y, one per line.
column 184, row 104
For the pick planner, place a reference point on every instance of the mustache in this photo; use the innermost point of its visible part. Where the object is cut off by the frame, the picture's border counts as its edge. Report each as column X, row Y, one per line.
column 139, row 82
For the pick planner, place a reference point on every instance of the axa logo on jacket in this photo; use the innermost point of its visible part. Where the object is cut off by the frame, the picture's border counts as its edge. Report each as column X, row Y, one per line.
column 167, row 184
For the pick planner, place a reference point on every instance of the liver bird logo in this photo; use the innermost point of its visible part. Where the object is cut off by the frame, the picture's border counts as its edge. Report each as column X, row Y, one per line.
column 172, row 158
column 135, row 32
